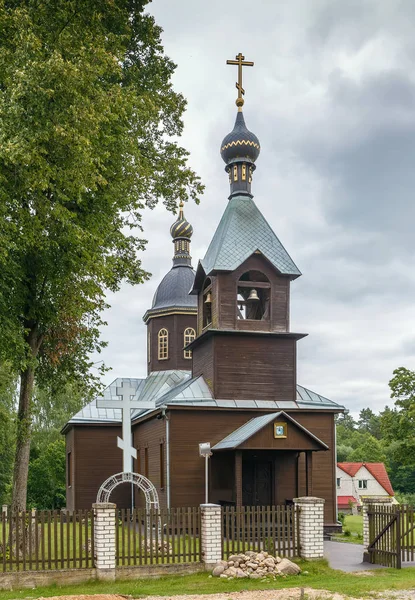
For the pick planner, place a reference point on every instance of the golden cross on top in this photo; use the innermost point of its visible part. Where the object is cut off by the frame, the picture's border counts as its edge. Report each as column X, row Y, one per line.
column 241, row 62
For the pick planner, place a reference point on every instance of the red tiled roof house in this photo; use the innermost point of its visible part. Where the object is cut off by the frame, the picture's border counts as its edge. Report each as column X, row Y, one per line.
column 360, row 480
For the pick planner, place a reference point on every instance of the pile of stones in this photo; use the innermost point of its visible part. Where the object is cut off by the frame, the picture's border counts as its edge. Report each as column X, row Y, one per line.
column 255, row 565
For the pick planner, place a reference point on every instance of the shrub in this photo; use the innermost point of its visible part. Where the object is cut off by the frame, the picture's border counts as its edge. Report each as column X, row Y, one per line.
column 341, row 516
column 347, row 532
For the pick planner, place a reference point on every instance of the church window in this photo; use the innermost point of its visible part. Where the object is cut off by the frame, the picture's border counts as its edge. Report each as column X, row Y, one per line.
column 243, row 172
column 253, row 297
column 189, row 335
column 235, row 173
column 163, row 344
column 207, row 302
column 161, row 465
column 149, row 345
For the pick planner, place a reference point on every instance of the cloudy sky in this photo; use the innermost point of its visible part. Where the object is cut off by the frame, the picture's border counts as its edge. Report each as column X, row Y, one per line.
column 332, row 100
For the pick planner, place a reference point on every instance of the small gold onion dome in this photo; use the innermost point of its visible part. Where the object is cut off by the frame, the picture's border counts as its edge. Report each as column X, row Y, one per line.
column 181, row 228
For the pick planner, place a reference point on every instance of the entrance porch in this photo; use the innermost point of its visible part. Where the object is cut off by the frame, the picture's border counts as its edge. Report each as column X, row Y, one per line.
column 267, row 461
column 260, row 477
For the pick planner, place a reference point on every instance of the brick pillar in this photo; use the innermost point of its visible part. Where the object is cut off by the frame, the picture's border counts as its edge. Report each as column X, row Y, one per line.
column 366, row 504
column 211, row 516
column 104, row 538
column 311, row 526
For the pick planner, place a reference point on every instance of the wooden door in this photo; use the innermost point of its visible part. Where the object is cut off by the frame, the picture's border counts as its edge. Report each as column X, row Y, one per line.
column 256, row 483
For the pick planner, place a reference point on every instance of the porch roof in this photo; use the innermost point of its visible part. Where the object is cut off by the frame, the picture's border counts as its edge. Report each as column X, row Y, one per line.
column 246, row 431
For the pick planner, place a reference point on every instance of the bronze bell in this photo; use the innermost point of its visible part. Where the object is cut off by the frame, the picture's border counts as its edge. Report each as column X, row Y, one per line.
column 208, row 298
column 253, row 296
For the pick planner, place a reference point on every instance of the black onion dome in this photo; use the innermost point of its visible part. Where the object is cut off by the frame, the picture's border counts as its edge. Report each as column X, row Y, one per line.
column 240, row 142
column 181, row 228
column 173, row 290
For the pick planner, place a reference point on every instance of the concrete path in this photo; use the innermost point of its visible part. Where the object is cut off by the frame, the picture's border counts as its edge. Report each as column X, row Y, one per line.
column 347, row 557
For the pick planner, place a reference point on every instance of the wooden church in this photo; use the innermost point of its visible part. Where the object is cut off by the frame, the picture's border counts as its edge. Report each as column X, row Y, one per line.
column 221, row 369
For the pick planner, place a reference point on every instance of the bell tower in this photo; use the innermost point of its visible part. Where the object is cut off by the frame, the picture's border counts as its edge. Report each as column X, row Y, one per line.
column 171, row 320
column 245, row 349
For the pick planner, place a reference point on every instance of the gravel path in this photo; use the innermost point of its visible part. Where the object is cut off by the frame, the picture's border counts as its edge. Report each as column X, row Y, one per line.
column 287, row 594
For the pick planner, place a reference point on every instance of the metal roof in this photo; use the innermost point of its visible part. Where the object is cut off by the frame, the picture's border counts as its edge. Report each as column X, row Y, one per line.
column 246, row 431
column 90, row 412
column 174, row 288
column 242, row 231
column 178, row 388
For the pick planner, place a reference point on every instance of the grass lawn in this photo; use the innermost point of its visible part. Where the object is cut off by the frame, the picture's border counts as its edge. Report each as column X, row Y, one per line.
column 354, row 524
column 317, row 575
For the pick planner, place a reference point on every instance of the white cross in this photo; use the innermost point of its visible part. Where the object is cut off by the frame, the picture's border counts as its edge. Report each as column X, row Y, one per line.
column 126, row 404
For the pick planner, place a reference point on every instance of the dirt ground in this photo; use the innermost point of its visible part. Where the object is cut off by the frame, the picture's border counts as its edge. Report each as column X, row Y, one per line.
column 287, row 594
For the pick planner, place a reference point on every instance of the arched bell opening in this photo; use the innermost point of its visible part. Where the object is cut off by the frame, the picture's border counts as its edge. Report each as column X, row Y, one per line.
column 253, row 297
column 207, row 302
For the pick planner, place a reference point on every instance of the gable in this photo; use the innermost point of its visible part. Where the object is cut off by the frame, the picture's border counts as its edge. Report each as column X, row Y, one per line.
column 252, row 433
column 296, row 439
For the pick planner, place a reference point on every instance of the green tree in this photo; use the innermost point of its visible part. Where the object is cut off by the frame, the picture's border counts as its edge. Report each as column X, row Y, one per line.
column 370, row 451
column 369, row 422
column 399, row 424
column 88, row 120
column 8, row 383
column 344, row 452
column 46, row 484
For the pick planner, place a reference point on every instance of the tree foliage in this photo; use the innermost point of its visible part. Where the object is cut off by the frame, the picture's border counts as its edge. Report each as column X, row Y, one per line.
column 88, row 121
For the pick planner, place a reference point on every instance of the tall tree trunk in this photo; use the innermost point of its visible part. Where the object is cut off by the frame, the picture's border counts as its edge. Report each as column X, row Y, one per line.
column 24, row 427
column 24, row 424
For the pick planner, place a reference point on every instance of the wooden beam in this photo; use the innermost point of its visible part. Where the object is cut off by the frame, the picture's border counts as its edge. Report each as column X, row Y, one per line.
column 238, row 477
column 254, row 284
column 309, row 472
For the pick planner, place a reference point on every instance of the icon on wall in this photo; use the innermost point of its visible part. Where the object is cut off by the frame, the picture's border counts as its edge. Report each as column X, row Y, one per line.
column 280, row 430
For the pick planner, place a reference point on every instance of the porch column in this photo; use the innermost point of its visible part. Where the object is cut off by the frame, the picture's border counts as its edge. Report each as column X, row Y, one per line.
column 238, row 477
column 309, row 472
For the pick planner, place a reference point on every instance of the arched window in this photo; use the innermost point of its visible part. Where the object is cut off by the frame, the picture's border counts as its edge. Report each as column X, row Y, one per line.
column 188, row 336
column 163, row 344
column 253, row 296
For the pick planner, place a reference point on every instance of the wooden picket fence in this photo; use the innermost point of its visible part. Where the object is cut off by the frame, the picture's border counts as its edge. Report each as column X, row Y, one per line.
column 163, row 536
column 44, row 540
column 274, row 529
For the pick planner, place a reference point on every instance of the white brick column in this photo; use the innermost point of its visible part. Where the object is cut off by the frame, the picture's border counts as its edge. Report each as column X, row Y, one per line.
column 311, row 516
column 104, row 539
column 211, row 517
column 367, row 503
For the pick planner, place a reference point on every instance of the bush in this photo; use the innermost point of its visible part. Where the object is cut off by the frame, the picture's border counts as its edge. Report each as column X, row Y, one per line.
column 347, row 532
column 341, row 516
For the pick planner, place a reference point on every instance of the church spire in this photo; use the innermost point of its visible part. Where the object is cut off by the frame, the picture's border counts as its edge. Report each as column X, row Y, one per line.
column 181, row 231
column 240, row 148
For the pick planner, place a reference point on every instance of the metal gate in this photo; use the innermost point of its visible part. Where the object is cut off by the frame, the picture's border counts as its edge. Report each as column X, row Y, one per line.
column 391, row 535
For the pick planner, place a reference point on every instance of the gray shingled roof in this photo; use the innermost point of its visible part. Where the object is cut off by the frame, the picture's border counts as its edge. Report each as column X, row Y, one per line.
column 178, row 388
column 246, row 431
column 242, row 230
